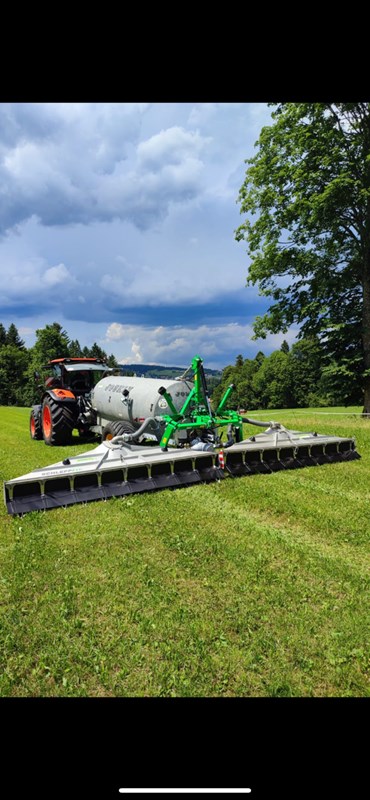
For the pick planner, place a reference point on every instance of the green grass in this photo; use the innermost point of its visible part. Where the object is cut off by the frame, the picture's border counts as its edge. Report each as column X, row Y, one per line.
column 249, row 587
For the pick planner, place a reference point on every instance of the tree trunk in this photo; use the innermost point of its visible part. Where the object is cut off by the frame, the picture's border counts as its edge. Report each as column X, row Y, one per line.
column 366, row 408
column 366, row 337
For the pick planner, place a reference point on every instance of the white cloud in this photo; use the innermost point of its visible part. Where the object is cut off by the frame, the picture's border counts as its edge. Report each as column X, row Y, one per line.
column 136, row 350
column 116, row 331
column 171, row 146
column 24, row 330
column 195, row 273
column 201, row 113
column 176, row 345
column 32, row 279
column 55, row 275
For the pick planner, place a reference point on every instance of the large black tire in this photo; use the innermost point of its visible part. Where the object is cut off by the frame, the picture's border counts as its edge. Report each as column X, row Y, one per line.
column 115, row 429
column 58, row 421
column 35, row 425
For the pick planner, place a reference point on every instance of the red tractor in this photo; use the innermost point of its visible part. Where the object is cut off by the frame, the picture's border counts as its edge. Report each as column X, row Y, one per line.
column 65, row 402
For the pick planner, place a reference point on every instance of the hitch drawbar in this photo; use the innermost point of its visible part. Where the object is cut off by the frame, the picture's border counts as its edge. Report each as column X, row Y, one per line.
column 116, row 468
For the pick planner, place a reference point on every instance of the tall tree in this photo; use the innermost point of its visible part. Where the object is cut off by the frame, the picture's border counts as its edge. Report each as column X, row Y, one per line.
column 13, row 337
column 75, row 349
column 51, row 342
column 13, row 375
column 305, row 369
column 309, row 185
column 241, row 375
column 112, row 361
column 97, row 352
column 273, row 382
column 2, row 334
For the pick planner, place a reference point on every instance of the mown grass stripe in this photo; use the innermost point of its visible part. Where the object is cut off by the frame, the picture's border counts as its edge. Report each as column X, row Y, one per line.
column 254, row 586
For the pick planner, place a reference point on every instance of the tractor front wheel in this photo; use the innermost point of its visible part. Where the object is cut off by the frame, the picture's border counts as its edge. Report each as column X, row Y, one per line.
column 58, row 421
column 35, row 426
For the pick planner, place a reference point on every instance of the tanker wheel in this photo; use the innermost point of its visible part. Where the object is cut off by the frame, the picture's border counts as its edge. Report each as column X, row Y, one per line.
column 35, row 426
column 115, row 429
column 58, row 421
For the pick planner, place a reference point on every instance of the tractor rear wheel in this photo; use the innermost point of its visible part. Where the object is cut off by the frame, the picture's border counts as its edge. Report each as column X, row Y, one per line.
column 115, row 429
column 35, row 426
column 58, row 421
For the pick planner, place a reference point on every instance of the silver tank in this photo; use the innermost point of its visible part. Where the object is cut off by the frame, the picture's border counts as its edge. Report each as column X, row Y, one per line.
column 135, row 399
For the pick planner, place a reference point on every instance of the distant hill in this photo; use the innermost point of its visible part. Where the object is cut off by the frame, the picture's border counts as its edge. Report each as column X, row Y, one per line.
column 158, row 371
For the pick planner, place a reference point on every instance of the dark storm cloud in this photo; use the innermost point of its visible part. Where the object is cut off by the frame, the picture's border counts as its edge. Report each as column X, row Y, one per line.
column 69, row 164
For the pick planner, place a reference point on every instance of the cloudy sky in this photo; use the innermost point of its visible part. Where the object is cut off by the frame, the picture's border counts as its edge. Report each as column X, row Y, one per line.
column 118, row 220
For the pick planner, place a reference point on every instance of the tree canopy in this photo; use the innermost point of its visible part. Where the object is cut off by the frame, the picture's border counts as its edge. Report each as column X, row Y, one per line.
column 287, row 378
column 306, row 197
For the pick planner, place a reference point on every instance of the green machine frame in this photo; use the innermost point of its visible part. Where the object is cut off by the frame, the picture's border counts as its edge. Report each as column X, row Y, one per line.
column 197, row 412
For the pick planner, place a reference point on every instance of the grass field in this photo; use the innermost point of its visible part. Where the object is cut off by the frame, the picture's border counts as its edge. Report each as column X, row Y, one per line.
column 255, row 586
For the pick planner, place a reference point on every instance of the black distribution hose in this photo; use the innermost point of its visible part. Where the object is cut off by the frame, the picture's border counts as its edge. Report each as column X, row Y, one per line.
column 148, row 423
column 256, row 422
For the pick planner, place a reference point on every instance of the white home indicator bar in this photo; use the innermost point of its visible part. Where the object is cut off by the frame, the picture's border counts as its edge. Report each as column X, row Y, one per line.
column 185, row 791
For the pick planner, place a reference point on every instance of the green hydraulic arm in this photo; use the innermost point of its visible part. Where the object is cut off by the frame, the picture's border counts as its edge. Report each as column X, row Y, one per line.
column 225, row 398
column 197, row 413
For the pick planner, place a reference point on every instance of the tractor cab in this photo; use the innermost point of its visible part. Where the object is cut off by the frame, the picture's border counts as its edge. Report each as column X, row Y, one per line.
column 77, row 375
column 65, row 401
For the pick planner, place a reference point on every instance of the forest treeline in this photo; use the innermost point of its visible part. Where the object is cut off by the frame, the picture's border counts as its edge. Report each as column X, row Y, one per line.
column 19, row 363
column 295, row 377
